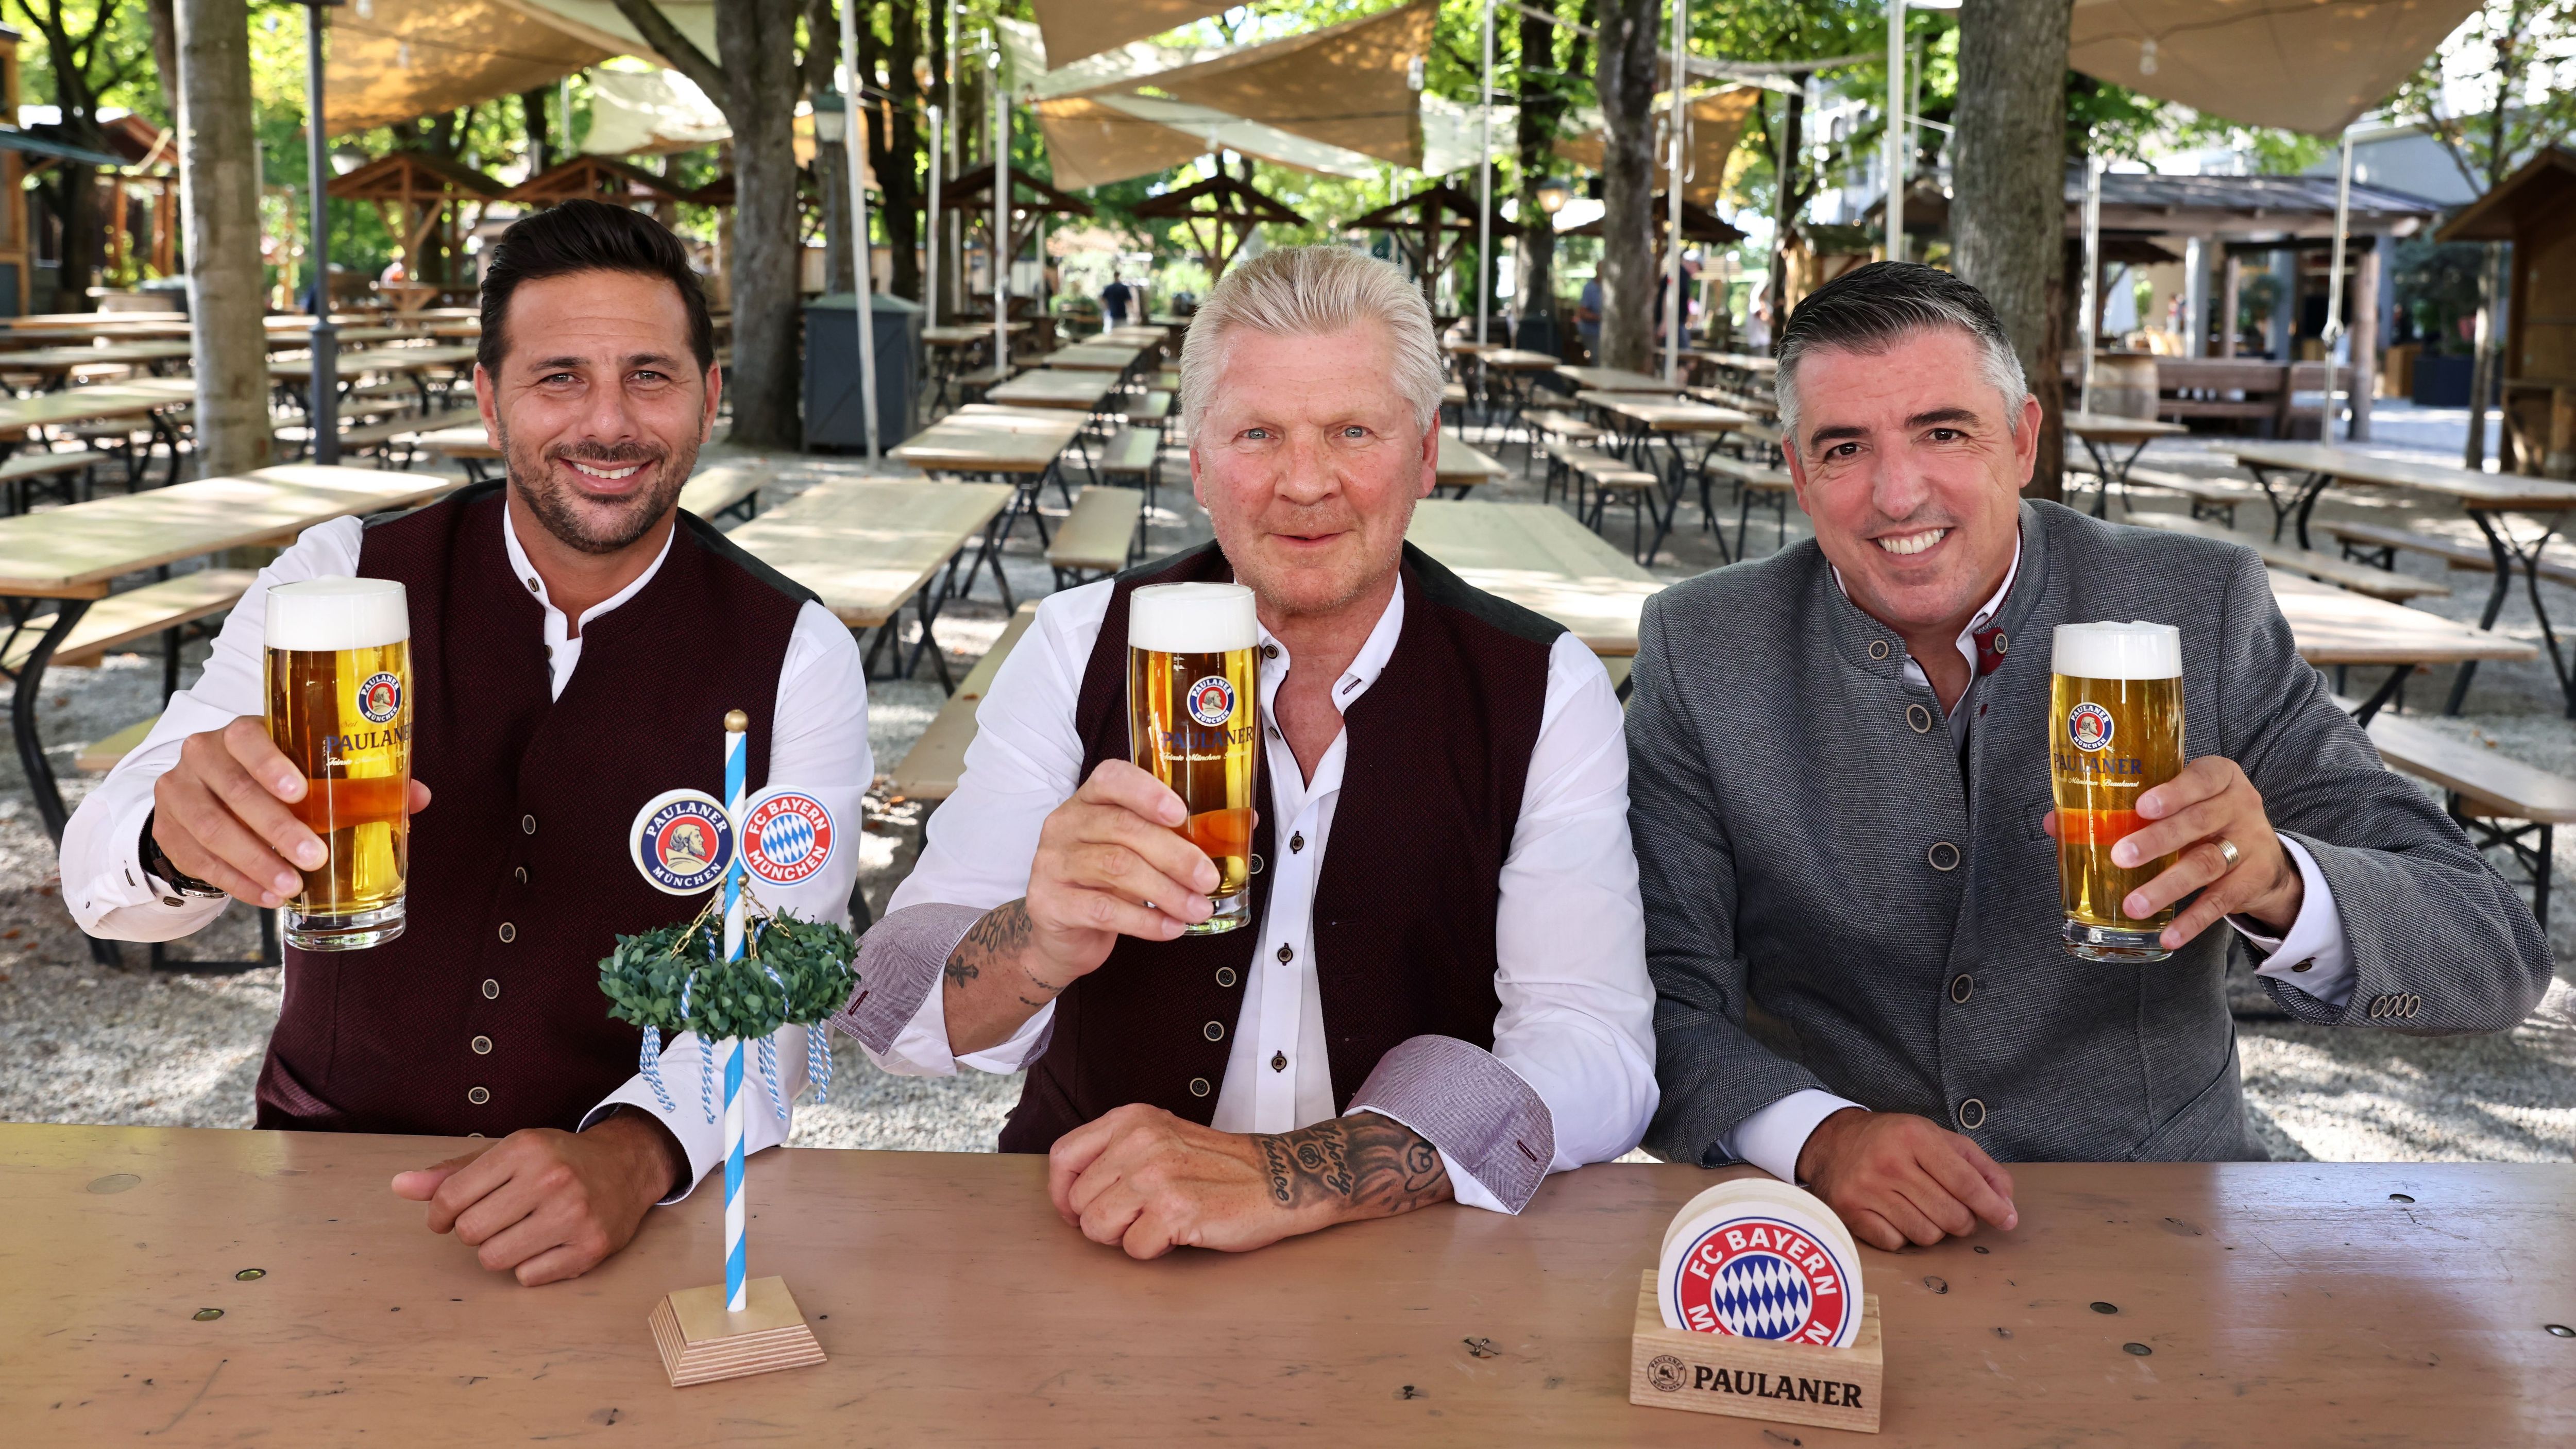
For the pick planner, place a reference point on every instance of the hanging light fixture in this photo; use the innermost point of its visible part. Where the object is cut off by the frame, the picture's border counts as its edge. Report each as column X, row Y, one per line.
column 1553, row 194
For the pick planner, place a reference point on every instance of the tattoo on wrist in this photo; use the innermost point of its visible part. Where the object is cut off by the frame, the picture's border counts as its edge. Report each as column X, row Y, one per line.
column 998, row 935
column 1365, row 1162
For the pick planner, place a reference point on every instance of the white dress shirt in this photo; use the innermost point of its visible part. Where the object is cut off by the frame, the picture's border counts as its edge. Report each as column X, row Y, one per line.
column 1576, row 1006
column 818, row 742
column 2313, row 955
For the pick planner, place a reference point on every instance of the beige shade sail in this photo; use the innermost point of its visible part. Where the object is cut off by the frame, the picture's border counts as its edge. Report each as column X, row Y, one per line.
column 1090, row 143
column 1716, row 120
column 402, row 59
column 2302, row 65
column 649, row 111
column 1076, row 29
column 599, row 22
column 1351, row 85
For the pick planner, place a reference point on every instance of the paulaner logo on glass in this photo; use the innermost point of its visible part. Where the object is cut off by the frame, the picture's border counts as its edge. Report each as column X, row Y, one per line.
column 2090, row 727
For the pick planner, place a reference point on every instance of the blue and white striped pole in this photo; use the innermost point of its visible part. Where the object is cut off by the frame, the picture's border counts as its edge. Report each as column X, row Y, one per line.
column 737, row 1296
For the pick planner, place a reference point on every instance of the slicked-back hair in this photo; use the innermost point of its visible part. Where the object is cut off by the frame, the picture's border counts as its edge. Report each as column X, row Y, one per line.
column 582, row 235
column 1313, row 292
column 1870, row 309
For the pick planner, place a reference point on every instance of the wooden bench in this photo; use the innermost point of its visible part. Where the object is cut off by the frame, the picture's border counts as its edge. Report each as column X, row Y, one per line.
column 1153, row 412
column 930, row 769
column 1774, row 485
column 382, row 436
column 1453, row 402
column 972, row 385
column 2387, row 543
column 100, row 756
column 1562, row 426
column 21, row 467
column 1098, row 536
column 1134, row 455
column 2482, row 786
column 726, row 488
column 2360, row 578
column 123, row 618
column 2209, row 499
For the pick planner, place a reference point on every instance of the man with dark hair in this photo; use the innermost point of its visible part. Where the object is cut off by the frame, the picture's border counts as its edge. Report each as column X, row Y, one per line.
column 1840, row 797
column 576, row 641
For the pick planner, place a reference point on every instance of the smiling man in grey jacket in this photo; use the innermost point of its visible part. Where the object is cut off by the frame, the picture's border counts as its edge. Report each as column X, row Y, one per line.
column 1840, row 798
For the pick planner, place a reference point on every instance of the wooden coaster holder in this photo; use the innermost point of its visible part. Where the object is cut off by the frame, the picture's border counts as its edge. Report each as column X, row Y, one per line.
column 701, row 1342
column 1755, row 1378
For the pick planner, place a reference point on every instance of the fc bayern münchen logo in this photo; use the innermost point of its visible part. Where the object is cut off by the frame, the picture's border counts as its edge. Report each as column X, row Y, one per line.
column 380, row 698
column 786, row 837
column 1758, row 1277
column 682, row 841
column 2089, row 725
column 1212, row 700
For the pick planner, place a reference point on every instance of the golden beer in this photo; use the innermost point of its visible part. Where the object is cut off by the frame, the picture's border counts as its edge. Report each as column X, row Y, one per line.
column 339, row 708
column 1194, row 722
column 2115, row 724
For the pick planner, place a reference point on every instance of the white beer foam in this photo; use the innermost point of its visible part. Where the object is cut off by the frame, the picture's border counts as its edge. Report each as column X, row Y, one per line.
column 2135, row 650
column 1192, row 618
column 324, row 614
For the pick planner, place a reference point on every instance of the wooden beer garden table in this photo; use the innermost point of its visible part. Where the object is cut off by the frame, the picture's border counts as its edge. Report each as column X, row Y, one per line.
column 867, row 546
column 2337, row 628
column 2484, row 497
column 1613, row 379
column 2103, row 435
column 225, row 1286
column 1461, row 466
column 1115, row 357
column 140, row 399
column 1640, row 420
column 1022, row 447
column 1071, row 389
column 57, row 363
column 1540, row 558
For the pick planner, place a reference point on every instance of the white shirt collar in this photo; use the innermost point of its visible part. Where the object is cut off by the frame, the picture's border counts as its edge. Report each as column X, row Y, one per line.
column 1365, row 666
column 536, row 583
column 1967, row 641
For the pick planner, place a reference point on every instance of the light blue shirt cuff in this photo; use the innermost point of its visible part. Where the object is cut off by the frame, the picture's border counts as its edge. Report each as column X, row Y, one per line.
column 1772, row 1138
column 2313, row 956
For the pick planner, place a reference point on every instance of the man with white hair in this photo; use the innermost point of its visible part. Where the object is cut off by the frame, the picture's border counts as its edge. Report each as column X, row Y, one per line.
column 1442, row 992
column 1841, row 757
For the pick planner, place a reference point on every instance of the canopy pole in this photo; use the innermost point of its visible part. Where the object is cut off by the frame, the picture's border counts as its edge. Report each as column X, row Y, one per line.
column 1001, row 211
column 931, row 231
column 1673, row 197
column 1899, row 130
column 2334, row 290
column 2092, row 273
column 1485, row 184
column 862, row 255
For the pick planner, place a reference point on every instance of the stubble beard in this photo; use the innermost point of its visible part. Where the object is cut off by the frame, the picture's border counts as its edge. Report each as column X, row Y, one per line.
column 546, row 496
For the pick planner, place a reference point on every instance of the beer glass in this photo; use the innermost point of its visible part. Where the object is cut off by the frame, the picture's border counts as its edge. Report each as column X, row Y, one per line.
column 339, row 708
column 1194, row 722
column 2115, row 717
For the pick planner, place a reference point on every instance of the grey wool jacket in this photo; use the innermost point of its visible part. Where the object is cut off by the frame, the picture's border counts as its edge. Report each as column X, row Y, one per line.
column 1830, row 904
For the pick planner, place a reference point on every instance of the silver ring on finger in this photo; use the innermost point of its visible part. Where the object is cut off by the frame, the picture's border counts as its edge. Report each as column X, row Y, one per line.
column 2228, row 853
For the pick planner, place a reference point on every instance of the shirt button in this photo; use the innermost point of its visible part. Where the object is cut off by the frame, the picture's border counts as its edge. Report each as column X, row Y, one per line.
column 1213, row 1031
column 2305, row 965
column 1269, row 651
column 532, row 586
column 1286, row 955
column 527, row 825
column 509, row 932
column 1920, row 718
column 491, row 989
column 478, row 1095
column 482, row 1046
column 1225, row 976
column 1278, row 1061
column 1943, row 856
column 1198, row 1087
column 1962, row 986
column 1972, row 1114
column 1296, row 842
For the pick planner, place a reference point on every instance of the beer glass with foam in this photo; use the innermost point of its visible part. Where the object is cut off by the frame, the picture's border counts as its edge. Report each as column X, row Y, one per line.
column 1194, row 722
column 339, row 708
column 2115, row 726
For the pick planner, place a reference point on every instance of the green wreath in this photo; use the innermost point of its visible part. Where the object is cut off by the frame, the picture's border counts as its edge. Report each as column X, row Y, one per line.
column 647, row 975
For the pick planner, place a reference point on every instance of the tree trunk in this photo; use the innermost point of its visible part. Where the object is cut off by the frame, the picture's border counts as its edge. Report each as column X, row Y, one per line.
column 1788, row 198
column 219, row 177
column 532, row 110
column 1625, row 79
column 1535, row 132
column 893, row 150
column 165, row 50
column 756, row 45
column 2484, row 358
column 2008, row 215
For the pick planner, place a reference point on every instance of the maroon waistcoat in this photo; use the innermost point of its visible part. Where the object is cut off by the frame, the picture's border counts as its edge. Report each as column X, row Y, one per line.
column 520, row 874
column 1438, row 750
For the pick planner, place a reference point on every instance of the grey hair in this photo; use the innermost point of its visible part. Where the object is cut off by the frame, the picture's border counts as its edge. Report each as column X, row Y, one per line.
column 1312, row 292
column 1872, row 308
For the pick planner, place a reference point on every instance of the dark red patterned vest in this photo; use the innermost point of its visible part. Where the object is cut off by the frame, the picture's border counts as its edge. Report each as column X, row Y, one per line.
column 486, row 1015
column 1438, row 752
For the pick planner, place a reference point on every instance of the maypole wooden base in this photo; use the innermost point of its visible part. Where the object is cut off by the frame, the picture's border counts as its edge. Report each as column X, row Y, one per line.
column 701, row 1342
column 1755, row 1378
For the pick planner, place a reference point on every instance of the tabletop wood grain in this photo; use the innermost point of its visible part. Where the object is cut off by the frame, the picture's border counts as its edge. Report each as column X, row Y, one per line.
column 78, row 550
column 2472, row 490
column 866, row 546
column 2337, row 626
column 2279, row 1304
column 1054, row 387
column 1540, row 558
column 1613, row 379
column 990, row 438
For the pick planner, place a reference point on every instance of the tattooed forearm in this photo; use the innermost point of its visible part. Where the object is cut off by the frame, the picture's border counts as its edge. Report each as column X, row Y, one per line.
column 996, row 938
column 1369, row 1165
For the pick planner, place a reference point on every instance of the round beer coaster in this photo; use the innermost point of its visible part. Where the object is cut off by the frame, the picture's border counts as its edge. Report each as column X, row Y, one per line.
column 681, row 841
column 1797, row 1203
column 786, row 837
column 1756, row 1273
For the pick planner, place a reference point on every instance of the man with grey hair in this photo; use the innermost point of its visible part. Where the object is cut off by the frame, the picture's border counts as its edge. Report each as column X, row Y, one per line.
column 1842, row 789
column 1441, row 992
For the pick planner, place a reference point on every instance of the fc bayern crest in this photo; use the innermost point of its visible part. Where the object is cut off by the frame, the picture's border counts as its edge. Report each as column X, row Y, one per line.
column 2089, row 726
column 380, row 697
column 682, row 841
column 1759, row 1277
column 1212, row 700
column 786, row 837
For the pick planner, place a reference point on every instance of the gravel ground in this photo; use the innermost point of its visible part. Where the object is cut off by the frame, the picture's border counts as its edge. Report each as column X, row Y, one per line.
column 84, row 1043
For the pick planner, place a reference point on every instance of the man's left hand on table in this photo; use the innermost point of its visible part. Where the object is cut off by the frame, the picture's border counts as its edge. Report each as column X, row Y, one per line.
column 2210, row 801
column 548, row 1205
column 1150, row 1182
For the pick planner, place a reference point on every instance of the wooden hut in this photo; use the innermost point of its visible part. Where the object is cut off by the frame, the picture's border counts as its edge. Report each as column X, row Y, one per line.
column 1429, row 227
column 1217, row 216
column 2535, row 210
column 425, row 192
column 600, row 178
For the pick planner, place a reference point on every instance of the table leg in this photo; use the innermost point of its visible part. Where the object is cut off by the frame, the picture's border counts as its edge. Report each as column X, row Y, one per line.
column 31, row 746
column 2387, row 691
column 2309, row 493
column 2506, row 553
column 926, row 608
column 2102, row 471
